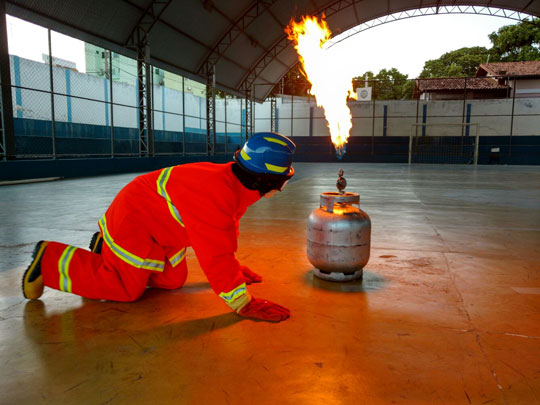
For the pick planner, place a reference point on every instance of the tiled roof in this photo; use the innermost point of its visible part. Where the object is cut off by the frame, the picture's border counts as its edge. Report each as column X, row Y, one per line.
column 458, row 83
column 529, row 68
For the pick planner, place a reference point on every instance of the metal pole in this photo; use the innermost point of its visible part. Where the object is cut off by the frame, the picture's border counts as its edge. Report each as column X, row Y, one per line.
column 53, row 133
column 143, row 142
column 463, row 109
column 7, row 142
column 3, row 147
column 373, row 122
column 292, row 113
column 183, row 118
column 226, row 133
column 112, row 103
column 214, row 107
column 252, row 110
column 149, row 105
column 512, row 118
column 210, row 112
column 273, row 106
column 477, row 141
column 248, row 115
column 410, row 146
column 417, row 115
column 463, row 124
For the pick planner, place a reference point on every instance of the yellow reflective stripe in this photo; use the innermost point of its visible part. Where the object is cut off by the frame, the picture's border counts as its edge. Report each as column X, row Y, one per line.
column 275, row 140
column 278, row 169
column 124, row 255
column 151, row 264
column 177, row 257
column 237, row 298
column 244, row 155
column 162, row 191
column 234, row 294
column 63, row 268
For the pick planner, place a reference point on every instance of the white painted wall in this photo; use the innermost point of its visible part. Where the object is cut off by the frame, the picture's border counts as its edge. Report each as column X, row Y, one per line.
column 493, row 116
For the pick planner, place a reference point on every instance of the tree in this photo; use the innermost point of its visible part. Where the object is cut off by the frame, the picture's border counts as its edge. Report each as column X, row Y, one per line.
column 359, row 81
column 462, row 62
column 388, row 84
column 519, row 42
column 293, row 83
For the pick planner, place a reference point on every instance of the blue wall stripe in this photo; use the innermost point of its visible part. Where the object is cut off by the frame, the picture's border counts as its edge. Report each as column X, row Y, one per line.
column 385, row 119
column 424, row 119
column 106, row 91
column 68, row 92
column 277, row 119
column 468, row 119
column 85, row 138
column 18, row 95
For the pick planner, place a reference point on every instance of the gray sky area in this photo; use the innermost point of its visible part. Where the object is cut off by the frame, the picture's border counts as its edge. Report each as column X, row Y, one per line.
column 404, row 44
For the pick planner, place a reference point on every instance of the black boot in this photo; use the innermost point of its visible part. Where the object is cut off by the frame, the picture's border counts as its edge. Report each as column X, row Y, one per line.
column 96, row 243
column 32, row 283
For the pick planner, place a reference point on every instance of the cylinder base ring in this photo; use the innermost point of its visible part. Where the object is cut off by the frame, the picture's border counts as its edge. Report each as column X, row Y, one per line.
column 337, row 276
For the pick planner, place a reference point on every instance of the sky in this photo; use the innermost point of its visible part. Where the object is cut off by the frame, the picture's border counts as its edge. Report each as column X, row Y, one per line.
column 407, row 44
column 404, row 44
column 31, row 41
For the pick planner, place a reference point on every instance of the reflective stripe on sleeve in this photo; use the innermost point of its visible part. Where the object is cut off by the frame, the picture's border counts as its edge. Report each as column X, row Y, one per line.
column 162, row 191
column 177, row 257
column 63, row 268
column 236, row 298
column 123, row 254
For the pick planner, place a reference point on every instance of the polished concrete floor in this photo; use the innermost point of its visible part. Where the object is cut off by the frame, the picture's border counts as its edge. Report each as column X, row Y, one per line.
column 448, row 311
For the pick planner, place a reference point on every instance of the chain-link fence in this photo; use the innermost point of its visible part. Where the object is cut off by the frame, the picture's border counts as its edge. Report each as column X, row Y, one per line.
column 63, row 108
column 441, row 113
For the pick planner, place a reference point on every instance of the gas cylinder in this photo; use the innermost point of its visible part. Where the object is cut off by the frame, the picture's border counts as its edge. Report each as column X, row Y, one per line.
column 339, row 236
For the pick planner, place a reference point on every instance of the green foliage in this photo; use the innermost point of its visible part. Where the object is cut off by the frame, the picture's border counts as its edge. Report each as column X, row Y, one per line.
column 519, row 42
column 388, row 84
column 293, row 83
column 459, row 63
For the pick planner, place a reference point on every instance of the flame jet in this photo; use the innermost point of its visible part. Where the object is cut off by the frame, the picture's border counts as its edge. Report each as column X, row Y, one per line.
column 329, row 75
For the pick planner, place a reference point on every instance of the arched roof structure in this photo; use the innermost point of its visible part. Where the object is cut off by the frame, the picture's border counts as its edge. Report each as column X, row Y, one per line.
column 243, row 41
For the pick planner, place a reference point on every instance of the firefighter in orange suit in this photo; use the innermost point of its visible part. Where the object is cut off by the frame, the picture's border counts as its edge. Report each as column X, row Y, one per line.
column 145, row 231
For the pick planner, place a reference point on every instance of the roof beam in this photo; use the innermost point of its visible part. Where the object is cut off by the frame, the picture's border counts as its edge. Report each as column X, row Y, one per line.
column 527, row 5
column 188, row 36
column 282, row 43
column 237, row 28
column 147, row 20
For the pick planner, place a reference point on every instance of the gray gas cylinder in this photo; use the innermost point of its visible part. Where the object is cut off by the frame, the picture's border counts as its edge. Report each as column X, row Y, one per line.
column 338, row 237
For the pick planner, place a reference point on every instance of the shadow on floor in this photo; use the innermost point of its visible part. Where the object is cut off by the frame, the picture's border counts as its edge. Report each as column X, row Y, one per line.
column 369, row 282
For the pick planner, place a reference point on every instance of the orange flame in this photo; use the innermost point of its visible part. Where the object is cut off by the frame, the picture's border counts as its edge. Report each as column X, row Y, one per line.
column 330, row 84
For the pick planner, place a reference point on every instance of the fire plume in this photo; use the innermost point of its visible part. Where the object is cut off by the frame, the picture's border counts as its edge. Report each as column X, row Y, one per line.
column 331, row 83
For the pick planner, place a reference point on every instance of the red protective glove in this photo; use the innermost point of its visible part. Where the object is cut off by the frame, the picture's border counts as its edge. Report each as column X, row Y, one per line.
column 265, row 310
column 250, row 276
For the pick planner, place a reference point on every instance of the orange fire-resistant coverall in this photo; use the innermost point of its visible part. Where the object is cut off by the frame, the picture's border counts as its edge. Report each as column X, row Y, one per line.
column 146, row 230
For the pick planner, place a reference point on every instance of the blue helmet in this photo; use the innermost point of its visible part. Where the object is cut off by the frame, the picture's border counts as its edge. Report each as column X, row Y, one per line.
column 267, row 153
